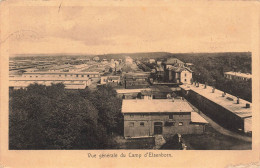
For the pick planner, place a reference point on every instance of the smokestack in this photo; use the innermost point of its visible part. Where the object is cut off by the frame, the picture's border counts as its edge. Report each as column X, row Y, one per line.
column 213, row 90
column 247, row 105
column 125, row 82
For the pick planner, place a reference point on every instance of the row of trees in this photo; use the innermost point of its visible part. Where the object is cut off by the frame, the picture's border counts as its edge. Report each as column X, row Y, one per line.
column 211, row 69
column 50, row 117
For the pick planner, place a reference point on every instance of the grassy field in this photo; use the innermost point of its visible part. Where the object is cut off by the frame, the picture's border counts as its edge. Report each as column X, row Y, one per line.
column 213, row 140
column 138, row 143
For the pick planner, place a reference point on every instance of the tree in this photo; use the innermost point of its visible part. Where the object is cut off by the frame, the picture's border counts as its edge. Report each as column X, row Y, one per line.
column 109, row 108
column 52, row 118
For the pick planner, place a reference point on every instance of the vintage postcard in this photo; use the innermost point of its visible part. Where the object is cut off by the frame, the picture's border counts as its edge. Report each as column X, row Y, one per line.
column 129, row 83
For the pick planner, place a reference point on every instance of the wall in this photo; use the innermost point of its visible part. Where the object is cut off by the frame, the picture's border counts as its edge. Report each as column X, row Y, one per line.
column 188, row 76
column 216, row 112
column 148, row 120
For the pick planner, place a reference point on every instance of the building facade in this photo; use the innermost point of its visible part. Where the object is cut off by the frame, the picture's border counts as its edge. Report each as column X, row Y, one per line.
column 238, row 75
column 110, row 80
column 135, row 80
column 179, row 74
column 144, row 118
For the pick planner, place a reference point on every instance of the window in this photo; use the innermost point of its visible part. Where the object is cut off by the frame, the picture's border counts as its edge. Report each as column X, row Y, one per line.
column 77, row 75
column 82, row 75
column 142, row 124
column 170, row 116
column 142, row 115
column 168, row 124
column 131, row 124
column 131, row 116
column 180, row 115
column 185, row 74
column 180, row 123
column 185, row 80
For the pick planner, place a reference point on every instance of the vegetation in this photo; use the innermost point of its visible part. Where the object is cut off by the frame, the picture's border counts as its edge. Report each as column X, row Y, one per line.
column 50, row 117
column 210, row 69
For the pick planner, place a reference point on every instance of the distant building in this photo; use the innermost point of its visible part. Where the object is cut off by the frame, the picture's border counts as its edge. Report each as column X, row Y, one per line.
column 130, row 93
column 77, row 75
column 179, row 74
column 173, row 62
column 157, row 92
column 69, row 82
column 238, row 75
column 159, row 62
column 151, row 61
column 110, row 80
column 160, row 73
column 135, row 80
column 189, row 64
column 105, row 61
column 128, row 60
column 144, row 118
column 96, row 58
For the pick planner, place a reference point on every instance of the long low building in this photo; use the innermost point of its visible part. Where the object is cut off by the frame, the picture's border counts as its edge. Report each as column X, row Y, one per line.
column 238, row 75
column 69, row 82
column 61, row 74
column 144, row 118
column 228, row 110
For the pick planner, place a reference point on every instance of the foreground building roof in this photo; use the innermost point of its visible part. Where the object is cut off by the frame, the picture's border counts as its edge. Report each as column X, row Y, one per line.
column 155, row 106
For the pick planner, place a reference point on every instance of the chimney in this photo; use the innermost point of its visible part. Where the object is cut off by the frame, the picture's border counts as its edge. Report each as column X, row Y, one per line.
column 223, row 94
column 213, row 90
column 237, row 100
column 247, row 105
column 205, row 86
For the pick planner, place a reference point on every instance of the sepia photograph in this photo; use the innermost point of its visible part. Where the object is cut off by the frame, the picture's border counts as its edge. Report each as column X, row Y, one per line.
column 123, row 76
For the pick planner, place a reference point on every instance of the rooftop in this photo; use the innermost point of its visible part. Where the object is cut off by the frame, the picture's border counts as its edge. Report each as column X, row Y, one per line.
column 226, row 102
column 179, row 69
column 155, row 106
column 173, row 61
column 124, row 91
column 245, row 75
column 47, row 79
column 196, row 118
column 61, row 73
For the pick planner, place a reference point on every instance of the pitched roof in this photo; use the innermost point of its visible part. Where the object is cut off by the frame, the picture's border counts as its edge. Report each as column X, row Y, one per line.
column 154, row 106
column 196, row 118
column 173, row 61
column 179, row 69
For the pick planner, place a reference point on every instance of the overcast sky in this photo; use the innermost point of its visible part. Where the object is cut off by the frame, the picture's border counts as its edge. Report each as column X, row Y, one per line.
column 137, row 28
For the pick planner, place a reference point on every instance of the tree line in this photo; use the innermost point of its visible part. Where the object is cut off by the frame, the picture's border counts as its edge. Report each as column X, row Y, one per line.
column 51, row 117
